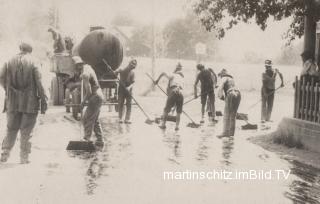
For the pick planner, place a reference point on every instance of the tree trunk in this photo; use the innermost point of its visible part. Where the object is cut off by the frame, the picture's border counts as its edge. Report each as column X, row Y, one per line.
column 309, row 29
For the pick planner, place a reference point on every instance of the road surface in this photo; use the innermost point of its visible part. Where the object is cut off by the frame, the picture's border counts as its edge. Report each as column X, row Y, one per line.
column 131, row 167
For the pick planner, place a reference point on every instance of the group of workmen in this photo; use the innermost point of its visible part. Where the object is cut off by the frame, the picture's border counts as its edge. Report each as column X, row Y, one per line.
column 25, row 97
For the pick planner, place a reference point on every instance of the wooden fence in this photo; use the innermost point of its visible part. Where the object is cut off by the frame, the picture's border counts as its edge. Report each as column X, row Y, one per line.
column 307, row 100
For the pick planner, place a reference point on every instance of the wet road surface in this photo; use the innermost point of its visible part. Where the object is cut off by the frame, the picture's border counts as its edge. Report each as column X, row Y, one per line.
column 130, row 168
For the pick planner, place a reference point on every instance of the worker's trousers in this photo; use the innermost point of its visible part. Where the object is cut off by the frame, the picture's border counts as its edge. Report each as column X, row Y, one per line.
column 267, row 104
column 91, row 118
column 124, row 97
column 232, row 102
column 24, row 122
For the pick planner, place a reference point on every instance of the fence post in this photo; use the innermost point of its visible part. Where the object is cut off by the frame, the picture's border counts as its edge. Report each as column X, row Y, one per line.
column 316, row 101
column 307, row 107
column 295, row 98
column 299, row 99
column 303, row 98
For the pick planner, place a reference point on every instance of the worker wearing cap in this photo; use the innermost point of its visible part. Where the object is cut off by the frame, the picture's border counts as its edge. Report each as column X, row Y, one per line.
column 25, row 96
column 206, row 78
column 175, row 96
column 231, row 95
column 268, row 89
column 92, row 95
column 127, row 80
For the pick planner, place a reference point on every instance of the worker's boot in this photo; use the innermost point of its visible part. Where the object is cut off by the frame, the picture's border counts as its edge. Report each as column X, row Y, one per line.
column 202, row 120
column 25, row 151
column 98, row 132
column 24, row 159
column 4, row 156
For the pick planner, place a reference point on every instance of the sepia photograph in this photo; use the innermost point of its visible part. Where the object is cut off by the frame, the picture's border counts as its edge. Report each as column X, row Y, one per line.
column 159, row 101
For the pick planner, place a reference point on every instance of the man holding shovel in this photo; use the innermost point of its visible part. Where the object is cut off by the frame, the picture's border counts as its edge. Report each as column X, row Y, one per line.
column 92, row 95
column 205, row 76
column 231, row 95
column 127, row 79
column 268, row 90
column 175, row 96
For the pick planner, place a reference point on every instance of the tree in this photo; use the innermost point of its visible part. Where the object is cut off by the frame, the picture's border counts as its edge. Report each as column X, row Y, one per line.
column 123, row 19
column 212, row 13
column 182, row 34
column 140, row 42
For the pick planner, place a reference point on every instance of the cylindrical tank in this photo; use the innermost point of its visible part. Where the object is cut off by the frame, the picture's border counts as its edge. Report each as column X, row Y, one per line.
column 98, row 45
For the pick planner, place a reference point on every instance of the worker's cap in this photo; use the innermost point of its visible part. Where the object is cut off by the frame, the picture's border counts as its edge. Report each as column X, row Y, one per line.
column 200, row 66
column 222, row 73
column 178, row 67
column 77, row 60
column 268, row 63
column 25, row 47
column 133, row 62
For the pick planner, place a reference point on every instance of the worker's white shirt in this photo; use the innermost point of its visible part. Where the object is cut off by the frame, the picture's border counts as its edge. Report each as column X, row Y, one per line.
column 176, row 80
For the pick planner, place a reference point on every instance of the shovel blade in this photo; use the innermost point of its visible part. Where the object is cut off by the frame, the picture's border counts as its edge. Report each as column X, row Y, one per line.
column 249, row 127
column 149, row 121
column 87, row 146
column 193, row 125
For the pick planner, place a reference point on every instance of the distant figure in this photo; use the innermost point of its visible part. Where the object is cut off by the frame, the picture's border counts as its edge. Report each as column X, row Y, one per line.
column 231, row 95
column 25, row 96
column 268, row 90
column 127, row 80
column 310, row 68
column 175, row 96
column 59, row 43
column 206, row 78
column 93, row 97
column 69, row 44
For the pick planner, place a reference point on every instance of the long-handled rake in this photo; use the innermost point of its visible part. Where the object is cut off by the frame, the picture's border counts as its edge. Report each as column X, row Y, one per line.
column 192, row 124
column 148, row 120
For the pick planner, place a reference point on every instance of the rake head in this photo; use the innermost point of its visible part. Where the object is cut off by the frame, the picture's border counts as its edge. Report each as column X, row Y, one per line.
column 149, row 121
column 86, row 146
column 249, row 127
column 193, row 125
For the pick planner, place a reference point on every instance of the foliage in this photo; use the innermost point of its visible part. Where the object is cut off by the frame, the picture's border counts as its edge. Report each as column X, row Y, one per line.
column 140, row 41
column 212, row 13
column 123, row 19
column 181, row 35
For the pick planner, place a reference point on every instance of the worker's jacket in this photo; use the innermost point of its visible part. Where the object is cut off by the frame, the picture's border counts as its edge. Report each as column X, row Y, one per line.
column 21, row 80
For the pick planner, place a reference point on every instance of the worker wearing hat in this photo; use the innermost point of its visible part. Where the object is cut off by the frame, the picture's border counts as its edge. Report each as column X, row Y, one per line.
column 268, row 90
column 25, row 96
column 92, row 96
column 174, row 92
column 127, row 80
column 206, row 78
column 228, row 92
